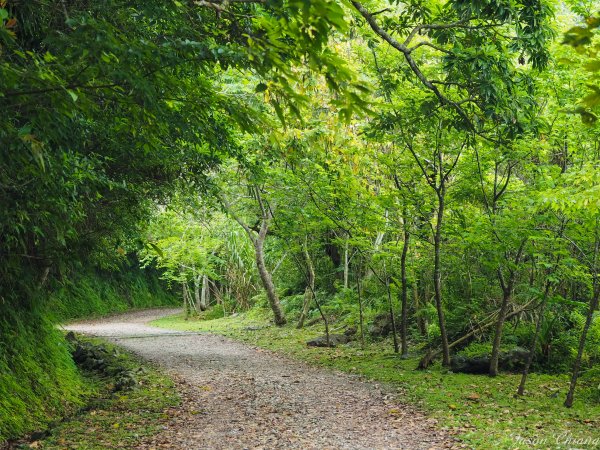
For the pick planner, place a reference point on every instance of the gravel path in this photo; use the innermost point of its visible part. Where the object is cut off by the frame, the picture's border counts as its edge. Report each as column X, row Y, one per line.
column 240, row 397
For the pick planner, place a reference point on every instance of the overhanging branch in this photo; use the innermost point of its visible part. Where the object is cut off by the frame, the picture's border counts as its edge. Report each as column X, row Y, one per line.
column 406, row 51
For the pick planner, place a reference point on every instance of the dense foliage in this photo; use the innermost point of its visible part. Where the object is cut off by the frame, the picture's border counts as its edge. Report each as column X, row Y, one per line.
column 430, row 163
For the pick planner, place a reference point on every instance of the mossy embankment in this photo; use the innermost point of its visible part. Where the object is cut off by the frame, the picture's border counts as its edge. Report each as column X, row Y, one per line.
column 484, row 412
column 39, row 382
column 130, row 400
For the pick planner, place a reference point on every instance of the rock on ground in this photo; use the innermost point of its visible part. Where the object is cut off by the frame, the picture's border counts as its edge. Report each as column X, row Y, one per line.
column 239, row 397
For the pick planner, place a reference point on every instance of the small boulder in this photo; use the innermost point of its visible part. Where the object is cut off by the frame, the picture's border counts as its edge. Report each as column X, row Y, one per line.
column 473, row 365
column 382, row 326
column 514, row 359
column 351, row 331
column 511, row 361
column 334, row 340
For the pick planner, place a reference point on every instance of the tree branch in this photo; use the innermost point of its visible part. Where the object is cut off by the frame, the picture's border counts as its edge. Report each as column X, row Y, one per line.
column 411, row 62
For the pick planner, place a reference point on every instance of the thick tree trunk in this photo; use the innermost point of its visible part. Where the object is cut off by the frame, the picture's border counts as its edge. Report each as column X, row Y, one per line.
column 404, row 295
column 310, row 288
column 437, row 276
column 267, row 282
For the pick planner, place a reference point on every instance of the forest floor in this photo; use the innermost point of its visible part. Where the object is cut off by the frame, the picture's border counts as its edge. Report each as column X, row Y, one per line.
column 235, row 395
column 483, row 413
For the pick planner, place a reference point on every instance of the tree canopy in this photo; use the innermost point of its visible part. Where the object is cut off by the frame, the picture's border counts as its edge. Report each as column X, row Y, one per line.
column 432, row 162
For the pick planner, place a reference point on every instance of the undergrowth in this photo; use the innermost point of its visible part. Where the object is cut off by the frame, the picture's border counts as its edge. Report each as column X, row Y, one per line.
column 485, row 413
column 39, row 382
column 98, row 293
column 118, row 419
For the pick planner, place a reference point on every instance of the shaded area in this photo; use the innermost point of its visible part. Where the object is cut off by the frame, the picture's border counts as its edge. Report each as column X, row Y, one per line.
column 237, row 396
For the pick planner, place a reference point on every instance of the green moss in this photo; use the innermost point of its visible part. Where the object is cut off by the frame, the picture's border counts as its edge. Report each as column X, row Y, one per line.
column 39, row 382
column 118, row 419
column 98, row 293
column 483, row 411
column 38, row 379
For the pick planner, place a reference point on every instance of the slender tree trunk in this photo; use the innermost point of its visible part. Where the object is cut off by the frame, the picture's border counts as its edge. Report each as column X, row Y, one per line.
column 432, row 354
column 197, row 289
column 186, row 300
column 404, row 297
column 421, row 323
column 360, row 311
column 437, row 275
column 588, row 321
column 346, row 263
column 586, row 327
column 310, row 288
column 506, row 297
column 258, row 240
column 507, row 293
column 267, row 282
column 305, row 307
column 538, row 327
column 392, row 314
column 204, row 294
column 200, row 283
column 44, row 277
column 220, row 298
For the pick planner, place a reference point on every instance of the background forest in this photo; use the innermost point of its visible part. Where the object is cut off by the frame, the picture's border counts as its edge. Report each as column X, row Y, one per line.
column 422, row 175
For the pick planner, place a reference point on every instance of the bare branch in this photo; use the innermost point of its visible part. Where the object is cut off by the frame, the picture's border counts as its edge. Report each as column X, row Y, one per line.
column 411, row 62
column 429, row 44
column 227, row 206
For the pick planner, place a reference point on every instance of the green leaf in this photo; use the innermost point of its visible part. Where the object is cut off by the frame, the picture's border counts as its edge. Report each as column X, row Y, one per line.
column 592, row 66
column 73, row 95
column 592, row 100
column 279, row 112
column 157, row 249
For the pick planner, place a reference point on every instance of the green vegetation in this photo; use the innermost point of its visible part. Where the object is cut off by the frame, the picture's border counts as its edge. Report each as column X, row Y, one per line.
column 117, row 419
column 425, row 169
column 39, row 382
column 92, row 294
column 480, row 411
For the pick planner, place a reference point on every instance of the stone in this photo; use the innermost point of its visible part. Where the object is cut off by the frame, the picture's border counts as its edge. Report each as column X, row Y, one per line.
column 334, row 340
column 381, row 325
column 473, row 365
column 510, row 361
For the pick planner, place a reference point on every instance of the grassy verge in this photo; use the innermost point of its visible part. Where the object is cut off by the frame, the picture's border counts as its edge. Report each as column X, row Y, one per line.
column 39, row 382
column 116, row 418
column 95, row 293
column 483, row 411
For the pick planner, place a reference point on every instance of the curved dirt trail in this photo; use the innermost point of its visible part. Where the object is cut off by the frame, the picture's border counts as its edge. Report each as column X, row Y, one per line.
column 240, row 397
